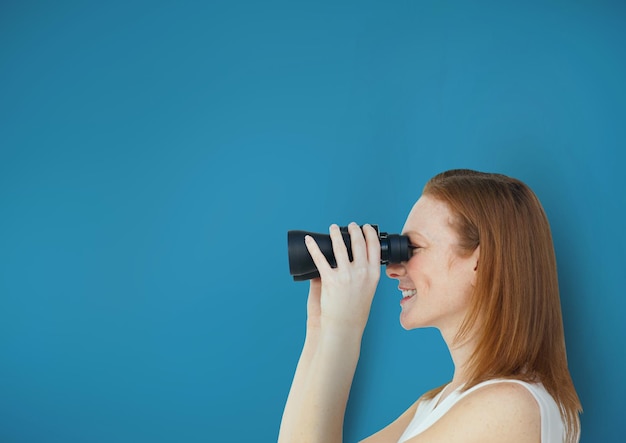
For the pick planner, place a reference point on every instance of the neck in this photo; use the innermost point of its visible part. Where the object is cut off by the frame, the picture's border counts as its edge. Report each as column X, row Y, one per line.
column 460, row 353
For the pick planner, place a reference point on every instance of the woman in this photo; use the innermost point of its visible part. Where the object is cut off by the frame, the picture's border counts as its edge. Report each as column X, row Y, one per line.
column 483, row 272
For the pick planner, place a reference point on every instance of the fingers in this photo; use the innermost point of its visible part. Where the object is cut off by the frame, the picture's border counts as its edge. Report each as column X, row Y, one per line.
column 359, row 251
column 373, row 245
column 343, row 296
column 316, row 254
column 339, row 247
column 365, row 244
column 365, row 248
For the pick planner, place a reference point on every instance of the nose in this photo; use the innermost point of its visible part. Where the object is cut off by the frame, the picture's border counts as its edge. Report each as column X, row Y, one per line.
column 395, row 270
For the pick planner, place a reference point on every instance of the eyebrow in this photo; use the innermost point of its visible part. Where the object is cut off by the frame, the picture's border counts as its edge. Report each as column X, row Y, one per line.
column 415, row 233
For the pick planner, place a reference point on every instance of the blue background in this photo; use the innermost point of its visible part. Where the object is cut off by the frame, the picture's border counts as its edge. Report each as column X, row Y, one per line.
column 153, row 156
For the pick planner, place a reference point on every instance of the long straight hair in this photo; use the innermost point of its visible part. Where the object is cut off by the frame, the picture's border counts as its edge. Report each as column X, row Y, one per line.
column 515, row 309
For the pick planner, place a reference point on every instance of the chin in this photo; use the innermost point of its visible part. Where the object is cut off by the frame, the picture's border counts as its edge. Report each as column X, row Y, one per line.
column 408, row 320
column 409, row 324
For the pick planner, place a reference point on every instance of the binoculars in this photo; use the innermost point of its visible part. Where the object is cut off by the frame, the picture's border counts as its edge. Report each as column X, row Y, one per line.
column 394, row 248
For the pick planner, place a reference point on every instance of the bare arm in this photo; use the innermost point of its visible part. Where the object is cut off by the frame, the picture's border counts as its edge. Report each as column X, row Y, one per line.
column 317, row 401
column 298, row 384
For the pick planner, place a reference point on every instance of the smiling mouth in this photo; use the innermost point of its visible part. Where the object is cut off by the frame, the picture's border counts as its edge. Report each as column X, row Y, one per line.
column 408, row 293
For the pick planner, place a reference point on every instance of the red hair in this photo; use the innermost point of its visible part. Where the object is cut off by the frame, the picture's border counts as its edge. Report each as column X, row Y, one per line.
column 515, row 308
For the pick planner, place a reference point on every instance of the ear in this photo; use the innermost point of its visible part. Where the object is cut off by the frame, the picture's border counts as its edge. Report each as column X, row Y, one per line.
column 474, row 259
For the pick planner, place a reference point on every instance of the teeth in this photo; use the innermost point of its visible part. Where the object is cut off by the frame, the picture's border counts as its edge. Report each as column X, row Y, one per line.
column 408, row 293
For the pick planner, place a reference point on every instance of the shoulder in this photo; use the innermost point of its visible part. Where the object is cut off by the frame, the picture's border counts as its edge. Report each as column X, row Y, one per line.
column 503, row 399
column 495, row 412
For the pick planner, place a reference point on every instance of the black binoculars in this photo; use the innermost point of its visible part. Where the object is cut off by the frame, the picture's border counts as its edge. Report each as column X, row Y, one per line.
column 394, row 248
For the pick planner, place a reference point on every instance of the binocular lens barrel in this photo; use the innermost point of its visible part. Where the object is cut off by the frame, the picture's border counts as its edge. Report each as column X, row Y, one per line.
column 394, row 248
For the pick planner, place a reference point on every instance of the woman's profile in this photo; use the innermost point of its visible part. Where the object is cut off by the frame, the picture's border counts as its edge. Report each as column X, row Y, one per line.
column 483, row 272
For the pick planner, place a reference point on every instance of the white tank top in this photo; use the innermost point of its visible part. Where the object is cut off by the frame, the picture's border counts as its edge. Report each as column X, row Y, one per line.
column 428, row 412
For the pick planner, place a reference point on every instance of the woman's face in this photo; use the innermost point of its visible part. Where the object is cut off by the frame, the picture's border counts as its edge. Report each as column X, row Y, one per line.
column 436, row 282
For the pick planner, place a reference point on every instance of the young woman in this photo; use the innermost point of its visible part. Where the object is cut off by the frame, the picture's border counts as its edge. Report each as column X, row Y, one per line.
column 483, row 272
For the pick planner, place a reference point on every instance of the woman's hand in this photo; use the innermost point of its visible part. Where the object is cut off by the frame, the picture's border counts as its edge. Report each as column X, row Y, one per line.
column 337, row 311
column 343, row 298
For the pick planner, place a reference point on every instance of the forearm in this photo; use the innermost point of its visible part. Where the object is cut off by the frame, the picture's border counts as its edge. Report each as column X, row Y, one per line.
column 324, row 389
column 296, row 392
column 338, row 309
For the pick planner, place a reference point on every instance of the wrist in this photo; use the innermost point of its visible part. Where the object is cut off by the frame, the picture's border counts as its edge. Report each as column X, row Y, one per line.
column 340, row 334
column 338, row 351
column 343, row 327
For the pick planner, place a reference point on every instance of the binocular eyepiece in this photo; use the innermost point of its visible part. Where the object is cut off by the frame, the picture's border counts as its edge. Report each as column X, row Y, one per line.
column 394, row 248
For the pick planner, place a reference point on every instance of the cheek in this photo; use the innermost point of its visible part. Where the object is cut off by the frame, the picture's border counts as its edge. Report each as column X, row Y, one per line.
column 418, row 274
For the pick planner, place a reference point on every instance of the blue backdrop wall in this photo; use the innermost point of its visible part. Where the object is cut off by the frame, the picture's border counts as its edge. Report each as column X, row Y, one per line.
column 153, row 156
